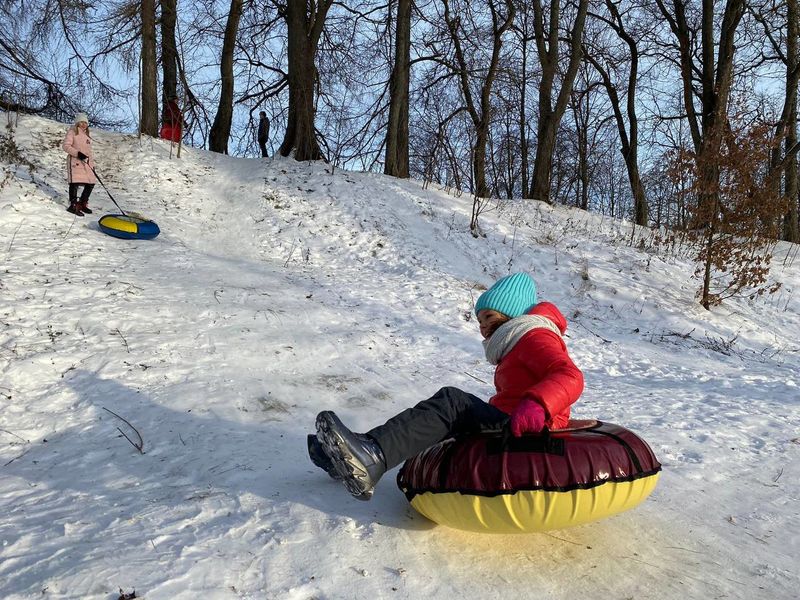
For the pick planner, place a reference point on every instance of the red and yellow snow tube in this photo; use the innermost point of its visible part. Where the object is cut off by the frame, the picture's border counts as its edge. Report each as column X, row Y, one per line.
column 495, row 483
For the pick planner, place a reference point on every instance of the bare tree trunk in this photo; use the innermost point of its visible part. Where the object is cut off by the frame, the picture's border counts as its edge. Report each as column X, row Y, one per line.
column 680, row 28
column 510, row 161
column 221, row 129
column 786, row 126
column 791, row 227
column 716, row 76
column 523, row 120
column 543, row 161
column 480, row 114
column 716, row 79
column 705, row 294
column 149, row 117
column 169, row 52
column 580, row 117
column 629, row 136
column 716, row 88
column 479, row 161
column 304, row 21
column 549, row 114
column 628, row 142
column 397, row 130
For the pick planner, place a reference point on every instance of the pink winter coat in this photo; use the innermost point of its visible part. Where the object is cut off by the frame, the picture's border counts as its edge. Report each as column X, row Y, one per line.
column 78, row 171
column 538, row 368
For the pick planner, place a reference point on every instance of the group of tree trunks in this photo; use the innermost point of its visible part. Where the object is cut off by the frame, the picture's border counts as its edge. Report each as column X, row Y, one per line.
column 490, row 53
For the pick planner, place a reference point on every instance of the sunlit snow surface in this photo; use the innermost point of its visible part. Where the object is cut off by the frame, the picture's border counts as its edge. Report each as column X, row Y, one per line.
column 278, row 289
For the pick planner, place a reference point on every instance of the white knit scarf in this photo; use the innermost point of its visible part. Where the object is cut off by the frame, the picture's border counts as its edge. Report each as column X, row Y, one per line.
column 509, row 333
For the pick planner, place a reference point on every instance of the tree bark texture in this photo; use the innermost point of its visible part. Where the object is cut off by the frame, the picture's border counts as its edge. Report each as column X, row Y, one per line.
column 304, row 21
column 397, row 129
column 523, row 119
column 791, row 227
column 149, row 116
column 581, row 115
column 169, row 51
column 221, row 129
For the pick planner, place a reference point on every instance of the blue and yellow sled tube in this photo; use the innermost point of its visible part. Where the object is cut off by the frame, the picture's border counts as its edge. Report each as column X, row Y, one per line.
column 129, row 226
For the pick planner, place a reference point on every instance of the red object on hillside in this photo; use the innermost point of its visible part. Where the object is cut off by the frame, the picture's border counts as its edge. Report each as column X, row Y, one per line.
column 173, row 121
column 170, row 132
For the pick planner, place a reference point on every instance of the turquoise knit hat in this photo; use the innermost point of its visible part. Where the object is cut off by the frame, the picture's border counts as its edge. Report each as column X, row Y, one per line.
column 513, row 295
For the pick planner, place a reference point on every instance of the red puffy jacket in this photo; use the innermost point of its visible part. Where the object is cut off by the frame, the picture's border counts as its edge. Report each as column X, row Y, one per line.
column 538, row 368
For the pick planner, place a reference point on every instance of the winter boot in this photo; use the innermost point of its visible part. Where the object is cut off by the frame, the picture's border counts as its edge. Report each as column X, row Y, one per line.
column 84, row 206
column 319, row 458
column 357, row 458
column 75, row 209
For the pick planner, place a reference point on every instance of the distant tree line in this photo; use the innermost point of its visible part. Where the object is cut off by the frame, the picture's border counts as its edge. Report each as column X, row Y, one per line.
column 597, row 104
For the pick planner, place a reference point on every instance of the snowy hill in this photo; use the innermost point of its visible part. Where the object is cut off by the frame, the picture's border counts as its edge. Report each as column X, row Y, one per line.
column 278, row 289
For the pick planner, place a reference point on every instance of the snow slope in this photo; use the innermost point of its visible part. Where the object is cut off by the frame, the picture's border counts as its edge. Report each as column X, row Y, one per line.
column 278, row 289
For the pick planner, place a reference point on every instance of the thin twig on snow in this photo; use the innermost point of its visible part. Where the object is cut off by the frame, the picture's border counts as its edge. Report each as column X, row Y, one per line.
column 140, row 445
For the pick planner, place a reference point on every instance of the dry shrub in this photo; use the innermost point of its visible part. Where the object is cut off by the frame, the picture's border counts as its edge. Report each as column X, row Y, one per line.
column 735, row 208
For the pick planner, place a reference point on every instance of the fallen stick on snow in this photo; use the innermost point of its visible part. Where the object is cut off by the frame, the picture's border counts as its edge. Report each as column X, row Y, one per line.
column 140, row 445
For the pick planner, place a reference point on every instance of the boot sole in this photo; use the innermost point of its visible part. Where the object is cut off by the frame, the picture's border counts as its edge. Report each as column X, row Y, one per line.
column 320, row 459
column 347, row 466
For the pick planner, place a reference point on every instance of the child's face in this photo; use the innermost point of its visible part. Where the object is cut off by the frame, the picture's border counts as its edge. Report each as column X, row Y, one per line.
column 489, row 321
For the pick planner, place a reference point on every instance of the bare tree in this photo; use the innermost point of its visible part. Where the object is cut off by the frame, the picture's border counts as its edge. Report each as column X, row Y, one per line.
column 548, row 37
column 221, row 129
column 716, row 73
column 169, row 51
column 628, row 132
column 480, row 111
column 709, row 126
column 791, row 230
column 784, row 46
column 582, row 112
column 505, row 148
column 149, row 83
column 304, row 20
column 397, row 128
column 38, row 39
column 525, row 34
column 23, row 84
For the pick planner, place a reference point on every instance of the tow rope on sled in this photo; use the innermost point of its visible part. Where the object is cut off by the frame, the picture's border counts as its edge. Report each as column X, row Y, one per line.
column 126, row 226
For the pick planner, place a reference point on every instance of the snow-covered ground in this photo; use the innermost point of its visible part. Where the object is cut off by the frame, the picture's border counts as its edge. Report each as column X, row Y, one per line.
column 278, row 289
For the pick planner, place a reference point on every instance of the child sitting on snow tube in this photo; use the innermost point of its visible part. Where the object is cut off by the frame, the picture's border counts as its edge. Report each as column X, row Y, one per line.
column 536, row 383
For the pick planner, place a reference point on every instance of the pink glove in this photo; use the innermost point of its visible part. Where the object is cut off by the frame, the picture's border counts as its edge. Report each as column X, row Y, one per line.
column 528, row 417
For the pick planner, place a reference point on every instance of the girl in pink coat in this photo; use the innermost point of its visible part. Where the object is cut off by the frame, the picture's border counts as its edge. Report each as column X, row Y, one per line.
column 80, row 165
column 535, row 379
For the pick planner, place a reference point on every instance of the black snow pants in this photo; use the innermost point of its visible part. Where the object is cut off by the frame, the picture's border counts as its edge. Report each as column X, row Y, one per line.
column 73, row 192
column 448, row 413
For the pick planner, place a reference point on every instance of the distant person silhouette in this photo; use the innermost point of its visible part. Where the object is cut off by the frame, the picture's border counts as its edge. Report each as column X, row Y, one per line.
column 263, row 133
